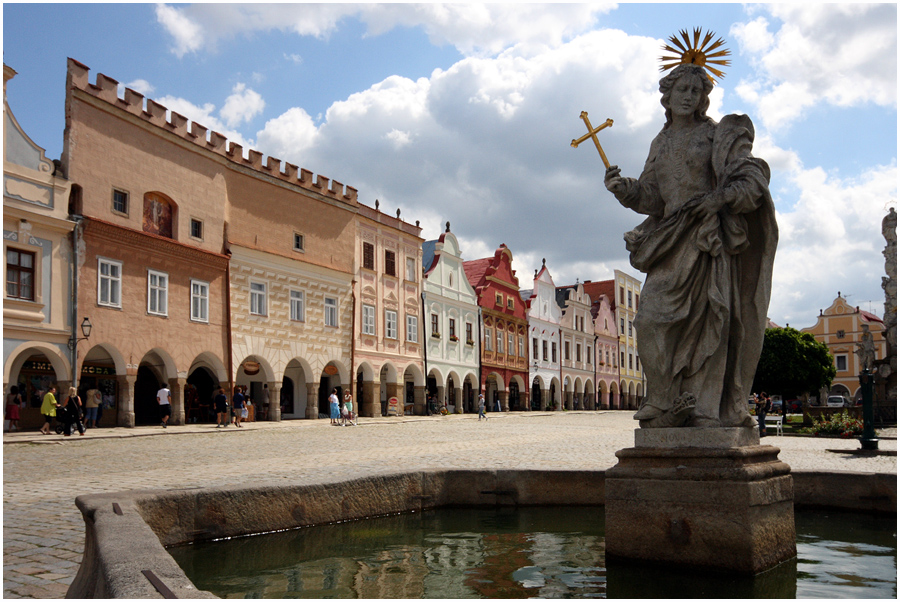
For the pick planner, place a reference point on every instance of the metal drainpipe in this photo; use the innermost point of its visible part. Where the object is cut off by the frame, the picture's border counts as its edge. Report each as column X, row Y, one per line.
column 75, row 300
column 353, row 342
column 596, row 391
column 228, row 344
column 481, row 354
column 425, row 354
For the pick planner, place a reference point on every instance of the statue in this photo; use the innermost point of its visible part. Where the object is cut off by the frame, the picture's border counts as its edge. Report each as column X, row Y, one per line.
column 865, row 350
column 707, row 249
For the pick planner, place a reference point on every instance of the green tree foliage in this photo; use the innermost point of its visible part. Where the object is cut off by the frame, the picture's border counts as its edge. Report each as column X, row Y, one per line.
column 793, row 363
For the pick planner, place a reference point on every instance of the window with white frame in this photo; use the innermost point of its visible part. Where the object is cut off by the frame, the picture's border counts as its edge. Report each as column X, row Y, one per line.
column 120, row 201
column 298, row 242
column 511, row 344
column 109, row 283
column 157, row 293
column 411, row 269
column 390, row 324
column 258, row 298
column 521, row 346
column 488, row 337
column 20, row 274
column 543, row 350
column 452, row 329
column 412, row 329
column 199, row 301
column 840, row 362
column 298, row 306
column 331, row 312
column 368, row 319
column 534, row 348
column 469, row 338
column 499, row 341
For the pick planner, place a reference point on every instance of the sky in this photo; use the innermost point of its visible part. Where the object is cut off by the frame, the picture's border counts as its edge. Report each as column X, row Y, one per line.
column 465, row 113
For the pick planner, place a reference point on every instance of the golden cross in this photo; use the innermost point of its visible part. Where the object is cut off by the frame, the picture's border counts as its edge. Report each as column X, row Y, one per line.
column 592, row 133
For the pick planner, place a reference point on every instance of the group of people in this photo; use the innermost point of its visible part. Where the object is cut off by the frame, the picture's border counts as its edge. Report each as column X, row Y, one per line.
column 341, row 414
column 70, row 412
column 240, row 406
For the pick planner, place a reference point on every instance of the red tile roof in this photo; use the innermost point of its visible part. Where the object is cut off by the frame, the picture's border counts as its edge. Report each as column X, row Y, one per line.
column 603, row 287
column 476, row 269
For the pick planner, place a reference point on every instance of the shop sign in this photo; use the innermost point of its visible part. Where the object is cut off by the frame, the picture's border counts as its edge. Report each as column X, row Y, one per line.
column 99, row 370
column 393, row 406
column 34, row 366
column 330, row 370
column 251, row 367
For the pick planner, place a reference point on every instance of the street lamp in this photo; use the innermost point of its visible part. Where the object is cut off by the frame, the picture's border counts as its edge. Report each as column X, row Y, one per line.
column 86, row 327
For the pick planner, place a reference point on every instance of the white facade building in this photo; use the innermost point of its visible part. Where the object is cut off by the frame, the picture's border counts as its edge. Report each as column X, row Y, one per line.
column 451, row 317
column 577, row 350
column 543, row 334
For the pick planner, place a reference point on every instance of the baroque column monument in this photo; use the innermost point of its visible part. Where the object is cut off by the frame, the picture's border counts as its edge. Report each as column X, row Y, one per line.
column 698, row 489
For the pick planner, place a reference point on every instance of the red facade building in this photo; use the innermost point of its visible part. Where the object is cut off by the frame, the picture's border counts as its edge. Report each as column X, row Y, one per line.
column 504, row 349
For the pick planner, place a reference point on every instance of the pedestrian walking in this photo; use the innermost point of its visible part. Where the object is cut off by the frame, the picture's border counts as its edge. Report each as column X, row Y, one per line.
column 13, row 405
column 164, row 397
column 237, row 406
column 265, row 401
column 347, row 410
column 763, row 407
column 75, row 409
column 481, row 414
column 221, row 403
column 48, row 409
column 92, row 403
column 335, row 409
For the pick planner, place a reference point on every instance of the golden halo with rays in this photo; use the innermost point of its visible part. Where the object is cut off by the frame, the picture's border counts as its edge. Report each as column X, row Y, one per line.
column 697, row 53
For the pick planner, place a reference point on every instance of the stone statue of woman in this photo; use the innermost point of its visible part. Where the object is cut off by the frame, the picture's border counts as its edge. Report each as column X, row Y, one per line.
column 707, row 249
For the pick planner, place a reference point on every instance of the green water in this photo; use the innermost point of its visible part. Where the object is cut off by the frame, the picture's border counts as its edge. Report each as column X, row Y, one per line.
column 546, row 552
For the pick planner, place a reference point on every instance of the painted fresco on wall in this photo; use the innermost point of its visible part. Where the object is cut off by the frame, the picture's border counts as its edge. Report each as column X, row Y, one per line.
column 158, row 215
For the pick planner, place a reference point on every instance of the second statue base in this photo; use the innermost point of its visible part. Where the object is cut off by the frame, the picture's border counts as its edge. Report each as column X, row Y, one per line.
column 698, row 497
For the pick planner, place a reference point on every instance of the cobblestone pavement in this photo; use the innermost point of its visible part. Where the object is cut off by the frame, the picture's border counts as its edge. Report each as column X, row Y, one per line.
column 43, row 532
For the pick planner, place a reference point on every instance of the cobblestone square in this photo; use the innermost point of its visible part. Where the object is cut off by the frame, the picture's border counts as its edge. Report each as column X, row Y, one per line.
column 43, row 532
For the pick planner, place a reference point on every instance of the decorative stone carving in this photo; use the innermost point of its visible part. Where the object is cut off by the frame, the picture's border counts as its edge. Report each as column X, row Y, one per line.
column 707, row 248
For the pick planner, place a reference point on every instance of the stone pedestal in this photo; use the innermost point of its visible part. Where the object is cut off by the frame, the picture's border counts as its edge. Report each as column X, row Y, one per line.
column 706, row 498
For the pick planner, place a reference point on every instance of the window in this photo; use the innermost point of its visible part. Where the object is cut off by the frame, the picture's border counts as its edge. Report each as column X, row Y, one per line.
column 488, row 337
column 453, row 329
column 411, row 269
column 19, row 274
column 510, row 344
column 629, row 299
column 199, row 301
column 622, row 362
column 298, row 313
column 434, row 326
column 544, row 354
column 469, row 338
column 331, row 312
column 840, row 362
column 109, row 283
column 637, row 363
column 841, row 334
column 630, row 362
column 521, row 346
column 498, row 299
column 412, row 329
column 621, row 295
column 368, row 319
column 622, row 325
column 630, row 328
column 157, row 293
column 390, row 324
column 637, row 299
column 368, row 256
column 499, row 341
column 588, row 358
column 566, row 351
column 553, row 352
column 510, row 304
column 534, row 348
column 120, row 201
column 298, row 242
column 389, row 263
column 607, row 356
column 196, row 229
column 578, row 352
column 258, row 301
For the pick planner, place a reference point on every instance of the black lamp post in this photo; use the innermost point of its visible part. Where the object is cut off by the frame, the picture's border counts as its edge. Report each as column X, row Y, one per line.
column 868, row 439
column 86, row 327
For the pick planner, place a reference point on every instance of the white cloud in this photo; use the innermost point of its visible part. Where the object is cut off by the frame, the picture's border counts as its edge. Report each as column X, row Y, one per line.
column 205, row 116
column 474, row 29
column 140, row 86
column 241, row 106
column 289, row 136
column 841, row 54
column 293, row 58
column 187, row 35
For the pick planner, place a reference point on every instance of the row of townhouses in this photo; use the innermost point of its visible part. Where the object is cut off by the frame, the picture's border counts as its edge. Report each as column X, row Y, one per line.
column 157, row 252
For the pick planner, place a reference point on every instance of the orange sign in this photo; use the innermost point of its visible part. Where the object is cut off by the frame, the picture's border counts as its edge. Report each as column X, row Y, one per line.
column 330, row 370
column 251, row 367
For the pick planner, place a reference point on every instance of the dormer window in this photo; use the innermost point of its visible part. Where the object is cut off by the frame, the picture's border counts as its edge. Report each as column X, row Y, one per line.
column 298, row 242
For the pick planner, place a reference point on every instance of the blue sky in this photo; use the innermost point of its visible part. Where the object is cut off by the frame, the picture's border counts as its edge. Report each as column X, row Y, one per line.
column 465, row 112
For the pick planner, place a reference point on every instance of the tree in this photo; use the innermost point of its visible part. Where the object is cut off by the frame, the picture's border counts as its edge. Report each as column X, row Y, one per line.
column 793, row 364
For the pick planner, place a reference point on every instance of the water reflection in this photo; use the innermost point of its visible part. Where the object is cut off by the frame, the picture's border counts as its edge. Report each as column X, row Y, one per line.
column 548, row 552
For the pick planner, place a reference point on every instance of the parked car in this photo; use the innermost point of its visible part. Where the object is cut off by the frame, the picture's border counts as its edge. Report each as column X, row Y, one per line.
column 838, row 401
column 777, row 404
column 794, row 406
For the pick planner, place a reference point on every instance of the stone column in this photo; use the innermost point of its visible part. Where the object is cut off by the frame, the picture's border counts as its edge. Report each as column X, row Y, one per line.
column 569, row 400
column 419, row 400
column 440, row 397
column 504, row 400
column 274, row 413
column 176, row 386
column 312, row 400
column 578, row 401
column 369, row 406
column 545, row 399
column 460, row 402
column 125, row 399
